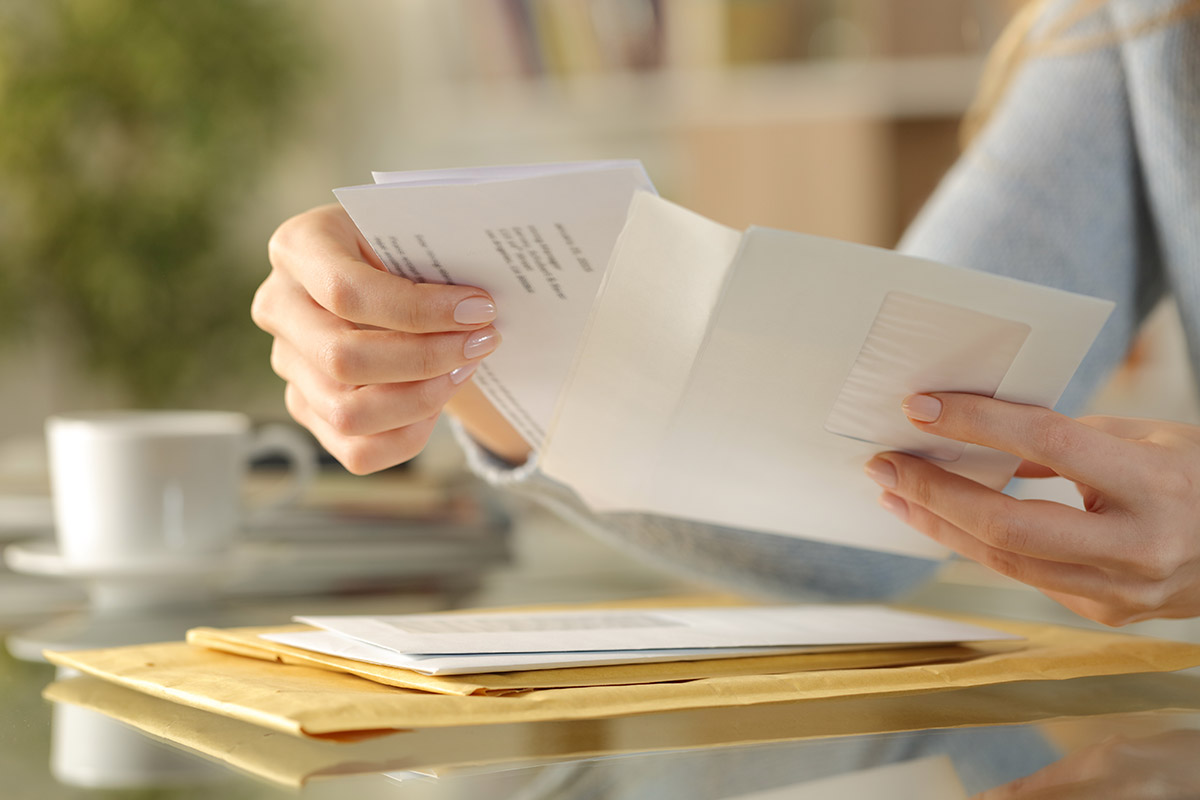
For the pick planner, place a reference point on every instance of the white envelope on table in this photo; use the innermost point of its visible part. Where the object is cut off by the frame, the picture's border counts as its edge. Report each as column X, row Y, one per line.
column 336, row 644
column 566, row 632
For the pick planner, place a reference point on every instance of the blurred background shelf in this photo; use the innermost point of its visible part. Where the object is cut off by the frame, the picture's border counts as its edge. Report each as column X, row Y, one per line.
column 832, row 117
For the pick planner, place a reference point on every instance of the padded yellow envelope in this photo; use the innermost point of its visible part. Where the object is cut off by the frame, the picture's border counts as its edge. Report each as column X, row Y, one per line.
column 294, row 761
column 303, row 700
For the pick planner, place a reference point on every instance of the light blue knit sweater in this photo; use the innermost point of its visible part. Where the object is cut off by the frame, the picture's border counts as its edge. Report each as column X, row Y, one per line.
column 1087, row 178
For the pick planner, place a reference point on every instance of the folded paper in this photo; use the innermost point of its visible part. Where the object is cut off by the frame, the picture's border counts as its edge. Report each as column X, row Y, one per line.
column 755, row 401
column 537, row 237
column 664, row 363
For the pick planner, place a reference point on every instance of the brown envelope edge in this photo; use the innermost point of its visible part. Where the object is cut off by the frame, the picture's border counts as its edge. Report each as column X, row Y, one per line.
column 308, row 701
column 293, row 762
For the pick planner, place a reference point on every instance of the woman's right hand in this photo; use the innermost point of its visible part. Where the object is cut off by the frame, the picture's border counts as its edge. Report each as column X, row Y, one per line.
column 369, row 358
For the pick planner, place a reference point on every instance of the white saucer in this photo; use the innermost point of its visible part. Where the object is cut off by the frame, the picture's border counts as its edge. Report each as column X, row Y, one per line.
column 42, row 557
column 22, row 516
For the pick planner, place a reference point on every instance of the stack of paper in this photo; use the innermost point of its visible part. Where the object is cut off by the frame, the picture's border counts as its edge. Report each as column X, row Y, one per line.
column 456, row 644
column 661, row 362
column 234, row 673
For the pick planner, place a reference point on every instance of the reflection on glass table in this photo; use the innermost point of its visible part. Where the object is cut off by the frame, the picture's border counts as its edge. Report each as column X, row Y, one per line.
column 64, row 735
column 951, row 744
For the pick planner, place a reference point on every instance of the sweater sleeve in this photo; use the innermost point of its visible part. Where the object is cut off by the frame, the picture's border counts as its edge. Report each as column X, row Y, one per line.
column 1051, row 190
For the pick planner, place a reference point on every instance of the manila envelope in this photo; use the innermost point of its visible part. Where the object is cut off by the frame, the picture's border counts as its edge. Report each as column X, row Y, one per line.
column 295, row 761
column 308, row 701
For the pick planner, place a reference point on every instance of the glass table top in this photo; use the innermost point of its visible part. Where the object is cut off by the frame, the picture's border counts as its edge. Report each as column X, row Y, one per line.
column 1122, row 736
column 1092, row 737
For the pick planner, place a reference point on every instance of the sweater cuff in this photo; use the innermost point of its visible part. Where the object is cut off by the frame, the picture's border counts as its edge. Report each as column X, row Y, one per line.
column 487, row 465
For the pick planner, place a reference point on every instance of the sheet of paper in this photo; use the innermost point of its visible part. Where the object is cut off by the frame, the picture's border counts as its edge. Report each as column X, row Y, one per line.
column 568, row 631
column 643, row 338
column 336, row 644
column 537, row 238
column 737, row 434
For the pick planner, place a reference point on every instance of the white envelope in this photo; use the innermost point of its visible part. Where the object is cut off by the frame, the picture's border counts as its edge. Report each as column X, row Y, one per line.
column 658, row 629
column 336, row 644
column 746, row 379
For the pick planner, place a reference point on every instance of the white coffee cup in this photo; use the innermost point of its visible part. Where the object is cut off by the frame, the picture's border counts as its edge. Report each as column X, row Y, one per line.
column 143, row 487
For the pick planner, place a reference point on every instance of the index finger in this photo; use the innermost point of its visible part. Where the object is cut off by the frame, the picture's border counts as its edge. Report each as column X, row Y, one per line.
column 323, row 251
column 1041, row 436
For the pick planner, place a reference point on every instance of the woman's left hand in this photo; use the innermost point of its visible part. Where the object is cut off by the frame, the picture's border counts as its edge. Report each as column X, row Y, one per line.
column 1133, row 553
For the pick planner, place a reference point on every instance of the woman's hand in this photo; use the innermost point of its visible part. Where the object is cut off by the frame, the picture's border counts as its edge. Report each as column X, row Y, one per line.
column 1133, row 554
column 370, row 358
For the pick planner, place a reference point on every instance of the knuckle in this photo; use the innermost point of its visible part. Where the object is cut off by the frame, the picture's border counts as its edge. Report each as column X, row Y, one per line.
column 1138, row 599
column 413, row 442
column 1003, row 562
column 345, row 415
column 1113, row 617
column 261, row 305
column 358, row 458
column 1051, row 435
column 294, row 404
column 277, row 359
column 970, row 414
column 338, row 359
column 920, row 490
column 406, row 311
column 426, row 359
column 287, row 239
column 1004, row 530
column 280, row 242
column 1176, row 485
column 1160, row 563
column 427, row 397
column 338, row 295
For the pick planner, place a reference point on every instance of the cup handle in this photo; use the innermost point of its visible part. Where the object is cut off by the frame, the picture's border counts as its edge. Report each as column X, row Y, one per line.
column 283, row 440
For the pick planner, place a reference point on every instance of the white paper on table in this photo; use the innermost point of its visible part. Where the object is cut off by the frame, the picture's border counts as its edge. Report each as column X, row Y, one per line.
column 713, row 406
column 336, row 644
column 575, row 631
column 536, row 237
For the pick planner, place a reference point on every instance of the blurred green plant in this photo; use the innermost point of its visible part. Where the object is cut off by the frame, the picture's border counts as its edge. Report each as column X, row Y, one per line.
column 130, row 130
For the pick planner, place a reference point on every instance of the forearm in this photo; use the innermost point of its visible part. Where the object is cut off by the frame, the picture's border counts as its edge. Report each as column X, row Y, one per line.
column 487, row 426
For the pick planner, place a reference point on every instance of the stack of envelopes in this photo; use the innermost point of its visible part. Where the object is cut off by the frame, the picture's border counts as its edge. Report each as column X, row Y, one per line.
column 251, row 674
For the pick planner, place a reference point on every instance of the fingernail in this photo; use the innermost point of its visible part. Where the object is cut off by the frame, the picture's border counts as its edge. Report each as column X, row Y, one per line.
column 882, row 472
column 922, row 407
column 480, row 343
column 474, row 310
column 462, row 373
column 894, row 504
